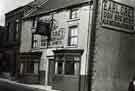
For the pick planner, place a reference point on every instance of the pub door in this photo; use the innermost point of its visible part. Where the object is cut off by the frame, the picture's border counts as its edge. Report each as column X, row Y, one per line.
column 51, row 71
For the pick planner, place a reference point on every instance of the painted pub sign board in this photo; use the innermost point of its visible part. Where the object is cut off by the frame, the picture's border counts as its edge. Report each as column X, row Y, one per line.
column 117, row 16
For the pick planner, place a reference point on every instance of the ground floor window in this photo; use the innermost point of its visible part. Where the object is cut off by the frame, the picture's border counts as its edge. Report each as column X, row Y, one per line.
column 67, row 65
column 29, row 68
column 29, row 65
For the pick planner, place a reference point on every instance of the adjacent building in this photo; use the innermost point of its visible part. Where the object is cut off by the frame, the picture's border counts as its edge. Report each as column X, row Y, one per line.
column 3, row 35
column 13, row 23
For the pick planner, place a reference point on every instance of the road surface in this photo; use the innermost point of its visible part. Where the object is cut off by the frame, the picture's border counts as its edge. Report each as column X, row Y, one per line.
column 9, row 86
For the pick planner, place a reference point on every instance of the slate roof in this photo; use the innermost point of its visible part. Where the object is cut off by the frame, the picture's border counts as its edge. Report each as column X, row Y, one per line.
column 52, row 5
column 33, row 6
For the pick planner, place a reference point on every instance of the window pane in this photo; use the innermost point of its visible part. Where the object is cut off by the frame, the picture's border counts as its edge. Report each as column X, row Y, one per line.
column 43, row 40
column 36, row 40
column 59, row 67
column 74, row 32
column 74, row 13
column 30, row 67
column 69, row 68
column 76, row 68
column 76, row 58
column 74, row 41
column 21, row 68
column 36, row 65
column 73, row 37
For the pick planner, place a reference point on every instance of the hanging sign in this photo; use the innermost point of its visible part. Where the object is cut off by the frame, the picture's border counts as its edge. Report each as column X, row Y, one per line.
column 117, row 15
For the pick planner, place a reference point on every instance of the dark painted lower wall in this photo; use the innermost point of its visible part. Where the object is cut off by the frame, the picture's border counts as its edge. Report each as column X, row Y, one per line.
column 83, row 86
column 29, row 79
column 42, row 77
column 70, row 83
column 66, row 83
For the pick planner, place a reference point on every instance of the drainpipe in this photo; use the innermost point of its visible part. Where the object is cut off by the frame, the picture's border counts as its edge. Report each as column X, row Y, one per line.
column 92, row 39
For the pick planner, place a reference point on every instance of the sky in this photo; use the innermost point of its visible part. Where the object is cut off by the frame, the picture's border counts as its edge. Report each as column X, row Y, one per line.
column 8, row 5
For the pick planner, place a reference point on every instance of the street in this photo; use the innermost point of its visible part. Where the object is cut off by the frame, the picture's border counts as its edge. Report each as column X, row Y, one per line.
column 10, row 86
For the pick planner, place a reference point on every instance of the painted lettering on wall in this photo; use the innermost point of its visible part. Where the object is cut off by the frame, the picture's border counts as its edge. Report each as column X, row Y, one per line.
column 117, row 15
column 57, row 37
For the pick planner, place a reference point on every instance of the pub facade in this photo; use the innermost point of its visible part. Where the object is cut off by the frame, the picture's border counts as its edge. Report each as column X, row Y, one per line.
column 54, row 45
column 79, row 45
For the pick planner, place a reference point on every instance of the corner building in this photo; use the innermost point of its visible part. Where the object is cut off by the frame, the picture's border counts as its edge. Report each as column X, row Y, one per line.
column 79, row 45
column 54, row 45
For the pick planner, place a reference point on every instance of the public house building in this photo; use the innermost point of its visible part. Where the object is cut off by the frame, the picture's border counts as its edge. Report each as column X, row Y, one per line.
column 79, row 45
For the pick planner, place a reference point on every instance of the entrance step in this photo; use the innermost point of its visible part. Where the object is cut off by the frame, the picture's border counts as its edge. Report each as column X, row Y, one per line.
column 54, row 90
column 42, row 87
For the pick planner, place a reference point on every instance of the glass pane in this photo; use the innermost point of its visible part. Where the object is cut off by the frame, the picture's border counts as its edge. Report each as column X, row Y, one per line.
column 74, row 31
column 69, row 68
column 74, row 13
column 76, row 68
column 59, row 67
column 30, row 67
column 36, row 68
column 21, row 68
column 74, row 41
column 76, row 58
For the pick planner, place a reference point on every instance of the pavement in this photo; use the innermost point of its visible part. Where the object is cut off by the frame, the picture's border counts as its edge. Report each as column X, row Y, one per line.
column 7, row 85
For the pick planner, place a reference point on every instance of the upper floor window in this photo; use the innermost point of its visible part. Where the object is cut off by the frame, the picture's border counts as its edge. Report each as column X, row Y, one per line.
column 73, row 36
column 8, row 29
column 44, row 41
column 35, row 41
column 74, row 13
column 17, row 30
column 39, row 41
column 34, row 22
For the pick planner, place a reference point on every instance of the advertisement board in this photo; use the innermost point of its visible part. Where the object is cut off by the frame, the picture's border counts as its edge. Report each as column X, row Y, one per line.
column 117, row 15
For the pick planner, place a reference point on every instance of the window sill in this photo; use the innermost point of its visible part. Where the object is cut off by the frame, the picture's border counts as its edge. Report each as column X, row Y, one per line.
column 71, row 46
column 75, row 19
column 38, row 48
column 28, row 74
column 67, row 76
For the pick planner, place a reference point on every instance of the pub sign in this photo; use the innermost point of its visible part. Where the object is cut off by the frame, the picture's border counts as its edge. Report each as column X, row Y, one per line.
column 117, row 15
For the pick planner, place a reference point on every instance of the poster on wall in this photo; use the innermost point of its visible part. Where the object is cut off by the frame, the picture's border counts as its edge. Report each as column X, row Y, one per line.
column 117, row 16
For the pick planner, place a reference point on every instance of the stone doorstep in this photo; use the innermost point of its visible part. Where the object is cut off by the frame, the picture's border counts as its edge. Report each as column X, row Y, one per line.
column 42, row 87
column 54, row 90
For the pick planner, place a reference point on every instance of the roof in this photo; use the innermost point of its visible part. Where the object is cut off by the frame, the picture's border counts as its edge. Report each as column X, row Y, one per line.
column 15, row 10
column 28, row 8
column 52, row 5
column 33, row 6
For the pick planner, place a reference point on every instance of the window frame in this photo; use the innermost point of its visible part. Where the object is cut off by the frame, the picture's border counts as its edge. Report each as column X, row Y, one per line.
column 70, row 36
column 43, row 41
column 76, row 11
column 64, row 61
column 25, row 69
column 37, row 41
column 34, row 41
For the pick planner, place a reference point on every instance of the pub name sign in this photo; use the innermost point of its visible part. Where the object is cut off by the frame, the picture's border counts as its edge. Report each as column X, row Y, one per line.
column 117, row 15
